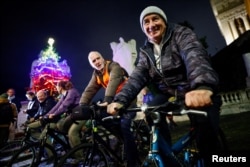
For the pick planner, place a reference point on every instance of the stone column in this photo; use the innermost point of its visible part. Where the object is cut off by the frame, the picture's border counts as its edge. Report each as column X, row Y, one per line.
column 233, row 29
column 246, row 23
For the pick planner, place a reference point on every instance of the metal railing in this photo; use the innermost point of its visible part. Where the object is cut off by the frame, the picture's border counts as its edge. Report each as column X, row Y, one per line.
column 235, row 101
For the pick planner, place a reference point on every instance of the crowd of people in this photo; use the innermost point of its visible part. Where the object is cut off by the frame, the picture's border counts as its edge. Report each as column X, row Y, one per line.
column 172, row 62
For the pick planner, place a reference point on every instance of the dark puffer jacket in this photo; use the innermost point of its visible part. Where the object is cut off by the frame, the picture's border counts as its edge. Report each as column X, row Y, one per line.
column 185, row 66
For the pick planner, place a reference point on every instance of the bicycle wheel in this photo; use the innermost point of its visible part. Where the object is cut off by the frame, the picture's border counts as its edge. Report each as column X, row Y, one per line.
column 9, row 150
column 85, row 154
column 141, row 133
column 33, row 155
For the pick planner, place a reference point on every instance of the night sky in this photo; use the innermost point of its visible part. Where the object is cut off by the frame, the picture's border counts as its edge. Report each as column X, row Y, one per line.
column 81, row 26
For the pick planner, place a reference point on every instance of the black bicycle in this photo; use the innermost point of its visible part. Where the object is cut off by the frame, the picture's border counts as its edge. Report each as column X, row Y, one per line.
column 40, row 153
column 10, row 148
column 100, row 152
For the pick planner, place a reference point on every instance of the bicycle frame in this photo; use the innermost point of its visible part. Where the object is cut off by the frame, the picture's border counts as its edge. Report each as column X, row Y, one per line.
column 154, row 157
column 53, row 133
column 99, row 140
column 157, row 140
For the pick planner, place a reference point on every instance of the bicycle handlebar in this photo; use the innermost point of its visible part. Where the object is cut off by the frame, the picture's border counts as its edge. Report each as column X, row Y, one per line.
column 171, row 108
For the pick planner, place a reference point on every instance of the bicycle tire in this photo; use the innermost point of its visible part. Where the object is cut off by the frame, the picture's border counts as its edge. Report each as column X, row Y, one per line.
column 89, row 155
column 9, row 150
column 141, row 134
column 27, row 156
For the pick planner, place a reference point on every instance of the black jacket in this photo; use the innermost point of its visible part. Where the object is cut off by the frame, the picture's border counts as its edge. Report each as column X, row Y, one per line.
column 45, row 107
column 185, row 66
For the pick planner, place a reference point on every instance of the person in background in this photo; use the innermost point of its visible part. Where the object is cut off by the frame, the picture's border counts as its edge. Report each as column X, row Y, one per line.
column 8, row 113
column 147, row 95
column 110, row 76
column 46, row 103
column 17, row 102
column 14, row 99
column 32, row 106
column 175, row 62
column 69, row 99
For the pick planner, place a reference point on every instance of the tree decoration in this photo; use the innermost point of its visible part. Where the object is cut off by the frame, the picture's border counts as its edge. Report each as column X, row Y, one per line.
column 47, row 71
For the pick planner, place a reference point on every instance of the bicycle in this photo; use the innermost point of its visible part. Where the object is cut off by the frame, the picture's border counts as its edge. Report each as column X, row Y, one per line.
column 182, row 152
column 8, row 150
column 99, row 152
column 14, row 146
column 39, row 152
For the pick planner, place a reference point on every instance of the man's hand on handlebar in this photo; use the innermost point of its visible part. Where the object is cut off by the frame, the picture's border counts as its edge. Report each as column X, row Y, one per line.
column 198, row 98
column 113, row 108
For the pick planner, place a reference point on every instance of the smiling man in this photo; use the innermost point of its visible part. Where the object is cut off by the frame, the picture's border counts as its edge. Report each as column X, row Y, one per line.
column 175, row 63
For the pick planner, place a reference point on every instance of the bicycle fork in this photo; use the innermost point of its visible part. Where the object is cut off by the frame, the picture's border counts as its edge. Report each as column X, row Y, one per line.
column 154, row 158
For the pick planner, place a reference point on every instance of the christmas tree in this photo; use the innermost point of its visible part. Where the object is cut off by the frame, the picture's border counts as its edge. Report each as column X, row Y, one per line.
column 47, row 71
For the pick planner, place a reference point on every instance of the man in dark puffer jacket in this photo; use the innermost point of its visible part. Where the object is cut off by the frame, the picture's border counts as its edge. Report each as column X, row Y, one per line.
column 175, row 62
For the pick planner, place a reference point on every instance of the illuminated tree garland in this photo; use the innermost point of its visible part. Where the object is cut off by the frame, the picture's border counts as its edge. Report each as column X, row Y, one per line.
column 47, row 71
